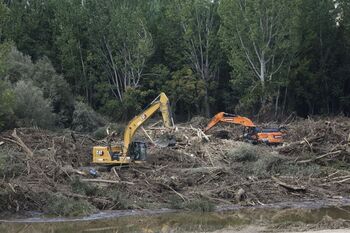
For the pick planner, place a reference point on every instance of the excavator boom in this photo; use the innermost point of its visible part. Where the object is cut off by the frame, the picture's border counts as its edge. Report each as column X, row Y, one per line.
column 133, row 151
column 161, row 103
column 254, row 134
column 229, row 118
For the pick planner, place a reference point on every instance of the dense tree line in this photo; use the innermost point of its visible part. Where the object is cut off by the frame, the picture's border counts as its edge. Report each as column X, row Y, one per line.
column 270, row 57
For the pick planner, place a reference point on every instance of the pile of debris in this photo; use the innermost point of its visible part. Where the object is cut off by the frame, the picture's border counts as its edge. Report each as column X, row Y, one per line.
column 323, row 140
column 42, row 166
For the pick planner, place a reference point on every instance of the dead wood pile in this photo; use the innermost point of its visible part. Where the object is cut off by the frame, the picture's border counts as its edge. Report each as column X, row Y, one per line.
column 319, row 139
column 197, row 166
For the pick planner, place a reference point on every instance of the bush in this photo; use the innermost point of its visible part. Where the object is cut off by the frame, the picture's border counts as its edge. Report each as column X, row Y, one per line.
column 30, row 108
column 267, row 165
column 200, row 205
column 244, row 153
column 10, row 165
column 176, row 202
column 6, row 102
column 101, row 132
column 259, row 161
column 85, row 119
column 63, row 206
column 83, row 188
column 56, row 89
column 120, row 199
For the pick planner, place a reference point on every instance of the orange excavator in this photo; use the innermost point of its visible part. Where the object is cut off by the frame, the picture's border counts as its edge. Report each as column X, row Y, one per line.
column 252, row 133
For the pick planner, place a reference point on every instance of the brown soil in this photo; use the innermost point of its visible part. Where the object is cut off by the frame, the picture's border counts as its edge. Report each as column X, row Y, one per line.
column 313, row 164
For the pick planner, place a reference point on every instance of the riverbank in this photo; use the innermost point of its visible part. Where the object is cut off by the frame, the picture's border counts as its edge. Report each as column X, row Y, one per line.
column 248, row 219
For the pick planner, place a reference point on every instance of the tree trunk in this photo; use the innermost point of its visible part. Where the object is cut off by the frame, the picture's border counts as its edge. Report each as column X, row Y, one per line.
column 284, row 101
column 86, row 87
column 206, row 103
column 276, row 104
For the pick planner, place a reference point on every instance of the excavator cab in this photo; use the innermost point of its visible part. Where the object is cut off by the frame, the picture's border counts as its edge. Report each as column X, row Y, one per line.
column 138, row 151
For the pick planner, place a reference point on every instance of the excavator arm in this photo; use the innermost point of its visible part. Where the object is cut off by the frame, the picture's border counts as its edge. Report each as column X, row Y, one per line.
column 133, row 151
column 229, row 118
column 160, row 103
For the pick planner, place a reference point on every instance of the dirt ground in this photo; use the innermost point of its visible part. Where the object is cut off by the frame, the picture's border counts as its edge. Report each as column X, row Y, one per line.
column 49, row 171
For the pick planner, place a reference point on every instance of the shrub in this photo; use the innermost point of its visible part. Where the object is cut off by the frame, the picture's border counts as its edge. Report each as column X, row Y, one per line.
column 31, row 109
column 63, row 206
column 56, row 89
column 120, row 199
column 85, row 119
column 6, row 102
column 176, row 202
column 10, row 165
column 101, row 132
column 267, row 165
column 244, row 153
column 83, row 188
column 200, row 205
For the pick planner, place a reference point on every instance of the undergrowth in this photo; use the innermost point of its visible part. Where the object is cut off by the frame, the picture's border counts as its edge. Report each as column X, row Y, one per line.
column 60, row 205
column 260, row 162
column 198, row 205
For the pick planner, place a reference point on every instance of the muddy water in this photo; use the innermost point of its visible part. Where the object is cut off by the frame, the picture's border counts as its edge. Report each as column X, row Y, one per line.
column 270, row 217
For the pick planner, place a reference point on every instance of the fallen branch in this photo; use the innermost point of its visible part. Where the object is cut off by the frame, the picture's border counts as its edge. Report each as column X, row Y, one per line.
column 94, row 199
column 319, row 157
column 149, row 137
column 200, row 133
column 342, row 181
column 115, row 173
column 177, row 193
column 107, row 181
column 22, row 144
column 288, row 186
column 308, row 144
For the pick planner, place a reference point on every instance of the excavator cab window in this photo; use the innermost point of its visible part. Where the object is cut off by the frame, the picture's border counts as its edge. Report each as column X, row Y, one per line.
column 138, row 151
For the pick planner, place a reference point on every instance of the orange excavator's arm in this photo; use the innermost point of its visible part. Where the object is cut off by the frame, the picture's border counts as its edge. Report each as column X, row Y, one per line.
column 230, row 118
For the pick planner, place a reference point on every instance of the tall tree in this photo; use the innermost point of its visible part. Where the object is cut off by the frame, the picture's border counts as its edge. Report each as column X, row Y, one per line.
column 258, row 38
column 313, row 83
column 198, row 20
column 122, row 41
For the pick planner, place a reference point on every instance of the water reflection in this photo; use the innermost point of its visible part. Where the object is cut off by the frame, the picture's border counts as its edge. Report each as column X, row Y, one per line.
column 186, row 221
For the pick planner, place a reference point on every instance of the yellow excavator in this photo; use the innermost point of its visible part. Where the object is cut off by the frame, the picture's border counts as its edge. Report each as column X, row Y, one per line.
column 133, row 151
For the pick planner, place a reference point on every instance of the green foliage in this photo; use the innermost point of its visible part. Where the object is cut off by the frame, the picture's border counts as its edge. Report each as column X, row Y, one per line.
column 30, row 108
column 259, row 161
column 10, row 165
column 63, row 206
column 6, row 105
column 119, row 198
column 56, row 89
column 267, row 165
column 18, row 66
column 117, row 56
column 101, row 132
column 43, row 75
column 83, row 188
column 200, row 205
column 175, row 202
column 85, row 119
column 258, row 38
column 244, row 153
column 186, row 90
